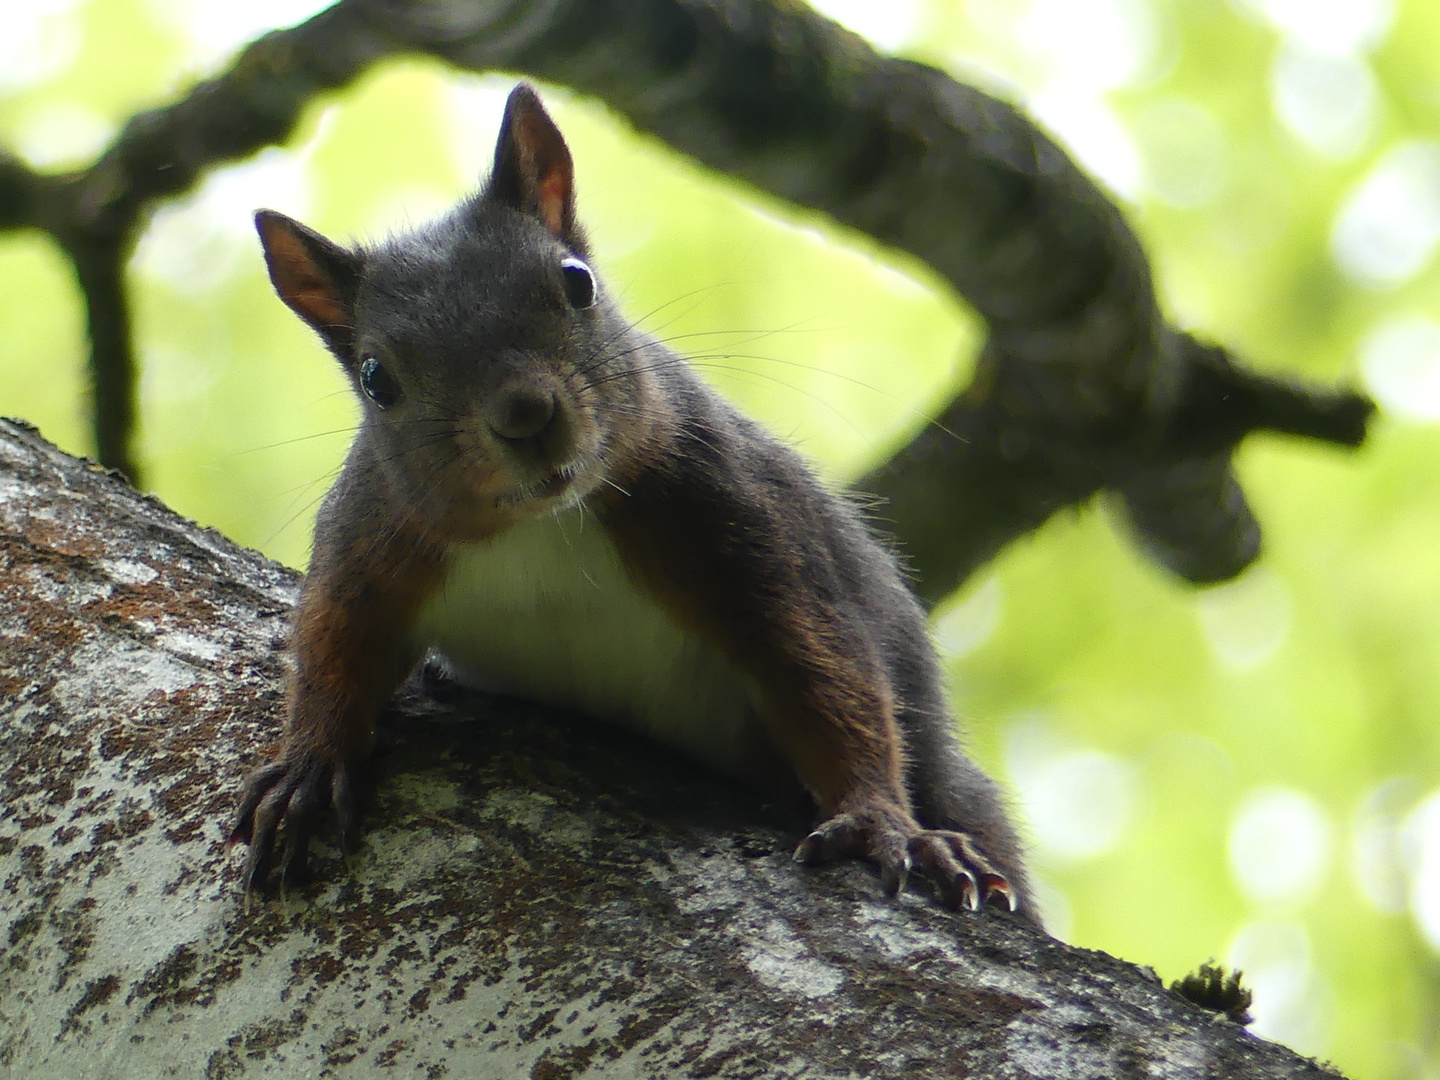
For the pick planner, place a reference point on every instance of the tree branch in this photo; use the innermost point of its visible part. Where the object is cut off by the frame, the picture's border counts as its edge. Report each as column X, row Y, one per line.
column 100, row 269
column 538, row 895
column 96, row 215
column 19, row 192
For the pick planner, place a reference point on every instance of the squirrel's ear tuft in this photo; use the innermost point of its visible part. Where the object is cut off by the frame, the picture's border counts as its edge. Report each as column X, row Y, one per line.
column 533, row 172
column 317, row 278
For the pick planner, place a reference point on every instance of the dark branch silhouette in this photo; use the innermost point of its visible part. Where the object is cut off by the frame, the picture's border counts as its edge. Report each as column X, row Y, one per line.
column 1082, row 385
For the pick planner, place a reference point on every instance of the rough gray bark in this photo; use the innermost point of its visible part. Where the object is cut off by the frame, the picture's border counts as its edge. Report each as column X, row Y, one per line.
column 537, row 896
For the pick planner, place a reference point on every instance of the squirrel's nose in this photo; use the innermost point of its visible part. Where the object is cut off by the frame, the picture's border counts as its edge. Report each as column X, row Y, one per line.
column 522, row 412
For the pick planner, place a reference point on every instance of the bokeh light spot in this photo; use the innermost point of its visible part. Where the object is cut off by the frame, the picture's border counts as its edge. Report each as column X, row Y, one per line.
column 963, row 626
column 1334, row 27
column 1376, row 860
column 194, row 244
column 1078, row 802
column 38, row 39
column 1091, row 132
column 1422, row 841
column 1400, row 360
column 1387, row 229
column 1280, row 842
column 63, row 135
column 1097, row 44
column 1245, row 621
column 1327, row 102
column 218, row 31
column 1293, row 1002
column 889, row 26
column 1183, row 149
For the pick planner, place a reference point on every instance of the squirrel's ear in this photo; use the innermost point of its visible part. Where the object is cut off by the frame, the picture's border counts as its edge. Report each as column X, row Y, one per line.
column 317, row 278
column 533, row 172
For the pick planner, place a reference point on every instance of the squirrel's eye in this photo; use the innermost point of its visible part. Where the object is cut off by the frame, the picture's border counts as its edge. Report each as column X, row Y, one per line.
column 379, row 385
column 579, row 282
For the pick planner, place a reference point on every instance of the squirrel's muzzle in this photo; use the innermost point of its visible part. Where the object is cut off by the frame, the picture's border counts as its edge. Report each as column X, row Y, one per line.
column 521, row 411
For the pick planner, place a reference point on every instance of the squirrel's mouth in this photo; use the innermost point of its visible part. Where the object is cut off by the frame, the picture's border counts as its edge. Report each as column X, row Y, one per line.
column 556, row 484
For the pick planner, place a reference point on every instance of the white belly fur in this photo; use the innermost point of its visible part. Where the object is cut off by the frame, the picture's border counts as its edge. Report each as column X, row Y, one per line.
column 546, row 611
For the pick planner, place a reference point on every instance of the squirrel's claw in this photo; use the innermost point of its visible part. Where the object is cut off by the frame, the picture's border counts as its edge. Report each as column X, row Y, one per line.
column 861, row 835
column 993, row 887
column 998, row 892
column 893, row 878
column 941, row 863
column 893, row 840
column 256, row 788
column 982, row 884
column 280, row 807
column 836, row 838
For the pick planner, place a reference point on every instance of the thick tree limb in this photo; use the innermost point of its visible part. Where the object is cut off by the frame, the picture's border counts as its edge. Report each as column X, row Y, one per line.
column 1013, row 450
column 537, row 896
column 1082, row 386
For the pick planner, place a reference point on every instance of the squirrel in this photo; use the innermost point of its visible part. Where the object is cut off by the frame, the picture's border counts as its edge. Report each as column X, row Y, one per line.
column 552, row 498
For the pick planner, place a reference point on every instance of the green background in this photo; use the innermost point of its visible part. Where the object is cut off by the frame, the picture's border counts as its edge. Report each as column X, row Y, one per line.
column 1250, row 773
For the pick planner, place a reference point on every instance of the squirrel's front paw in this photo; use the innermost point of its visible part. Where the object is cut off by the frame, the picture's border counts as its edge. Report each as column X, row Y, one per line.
column 893, row 839
column 292, row 792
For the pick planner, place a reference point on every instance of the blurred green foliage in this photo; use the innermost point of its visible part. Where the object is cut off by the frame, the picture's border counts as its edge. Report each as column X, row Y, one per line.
column 1250, row 773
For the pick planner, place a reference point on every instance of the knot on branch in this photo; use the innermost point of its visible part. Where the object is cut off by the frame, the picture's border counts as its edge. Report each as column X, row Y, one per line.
column 1186, row 505
column 1033, row 436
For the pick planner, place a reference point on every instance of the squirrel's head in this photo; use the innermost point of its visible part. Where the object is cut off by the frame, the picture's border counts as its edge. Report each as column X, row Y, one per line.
column 495, row 376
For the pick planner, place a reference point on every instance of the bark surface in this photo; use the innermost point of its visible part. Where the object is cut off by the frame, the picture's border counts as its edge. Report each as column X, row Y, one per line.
column 537, row 895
